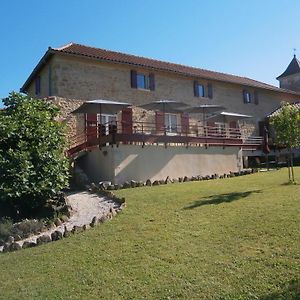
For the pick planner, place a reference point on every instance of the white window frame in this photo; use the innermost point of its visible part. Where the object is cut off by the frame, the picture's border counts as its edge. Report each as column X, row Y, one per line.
column 106, row 119
column 171, row 127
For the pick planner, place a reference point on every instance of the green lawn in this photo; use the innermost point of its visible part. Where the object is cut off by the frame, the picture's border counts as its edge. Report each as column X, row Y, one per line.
column 236, row 238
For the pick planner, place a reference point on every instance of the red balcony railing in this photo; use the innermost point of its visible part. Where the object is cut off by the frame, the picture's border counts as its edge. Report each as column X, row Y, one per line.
column 144, row 133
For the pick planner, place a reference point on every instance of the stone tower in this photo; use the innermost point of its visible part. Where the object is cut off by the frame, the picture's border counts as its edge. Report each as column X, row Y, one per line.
column 290, row 78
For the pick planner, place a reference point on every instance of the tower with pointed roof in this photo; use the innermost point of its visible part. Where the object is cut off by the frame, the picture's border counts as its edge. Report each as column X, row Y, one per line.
column 290, row 78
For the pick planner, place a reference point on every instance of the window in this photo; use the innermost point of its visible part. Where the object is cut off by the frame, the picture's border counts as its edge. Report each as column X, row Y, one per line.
column 250, row 97
column 142, row 80
column 171, row 123
column 38, row 85
column 247, row 97
column 202, row 90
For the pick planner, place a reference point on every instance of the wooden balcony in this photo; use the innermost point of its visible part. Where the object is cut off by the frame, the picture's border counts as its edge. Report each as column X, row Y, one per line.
column 142, row 133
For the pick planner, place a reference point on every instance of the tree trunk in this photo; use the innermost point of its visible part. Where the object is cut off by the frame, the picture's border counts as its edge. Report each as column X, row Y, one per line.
column 288, row 166
column 292, row 165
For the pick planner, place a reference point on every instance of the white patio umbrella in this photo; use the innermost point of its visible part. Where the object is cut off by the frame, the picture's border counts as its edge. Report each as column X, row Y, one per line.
column 165, row 106
column 204, row 109
column 101, row 107
column 229, row 116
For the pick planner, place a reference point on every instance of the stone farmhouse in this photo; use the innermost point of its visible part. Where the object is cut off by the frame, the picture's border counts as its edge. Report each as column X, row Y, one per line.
column 153, row 144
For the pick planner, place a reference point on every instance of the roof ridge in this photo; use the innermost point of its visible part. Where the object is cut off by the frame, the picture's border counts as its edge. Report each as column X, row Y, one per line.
column 63, row 47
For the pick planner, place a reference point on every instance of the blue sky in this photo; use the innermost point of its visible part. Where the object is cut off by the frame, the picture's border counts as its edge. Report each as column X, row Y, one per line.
column 250, row 38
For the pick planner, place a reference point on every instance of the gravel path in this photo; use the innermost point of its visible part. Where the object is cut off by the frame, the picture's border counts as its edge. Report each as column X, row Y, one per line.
column 85, row 207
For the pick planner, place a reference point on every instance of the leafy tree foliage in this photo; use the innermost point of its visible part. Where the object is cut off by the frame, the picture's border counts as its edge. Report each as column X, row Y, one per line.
column 286, row 123
column 33, row 167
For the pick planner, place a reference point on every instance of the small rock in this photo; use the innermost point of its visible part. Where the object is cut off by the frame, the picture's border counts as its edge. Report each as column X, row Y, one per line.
column 15, row 247
column 140, row 184
column 117, row 187
column 180, row 179
column 56, row 235
column 2, row 242
column 148, row 182
column 93, row 188
column 6, row 247
column 28, row 245
column 94, row 222
column 86, row 227
column 110, row 187
column 168, row 180
column 133, row 183
column 66, row 233
column 156, row 182
column 126, row 185
column 104, row 184
column 102, row 219
column 76, row 229
column 186, row 179
column 43, row 239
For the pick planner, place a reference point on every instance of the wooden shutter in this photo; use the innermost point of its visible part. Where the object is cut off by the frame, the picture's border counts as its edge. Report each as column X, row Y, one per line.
column 159, row 121
column 255, row 97
column 209, row 91
column 133, row 75
column 196, row 90
column 127, row 120
column 91, row 126
column 185, row 123
column 245, row 96
column 151, row 82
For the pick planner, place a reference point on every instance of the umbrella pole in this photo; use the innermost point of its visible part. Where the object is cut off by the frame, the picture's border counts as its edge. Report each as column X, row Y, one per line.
column 165, row 129
column 203, row 124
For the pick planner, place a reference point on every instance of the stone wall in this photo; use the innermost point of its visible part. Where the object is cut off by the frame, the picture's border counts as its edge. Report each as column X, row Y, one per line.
column 291, row 82
column 83, row 78
column 75, row 123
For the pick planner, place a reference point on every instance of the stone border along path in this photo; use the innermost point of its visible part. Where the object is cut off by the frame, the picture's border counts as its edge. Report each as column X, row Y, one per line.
column 87, row 210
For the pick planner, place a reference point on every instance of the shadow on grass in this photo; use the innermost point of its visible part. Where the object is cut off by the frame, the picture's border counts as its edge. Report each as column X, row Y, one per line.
column 221, row 198
column 291, row 291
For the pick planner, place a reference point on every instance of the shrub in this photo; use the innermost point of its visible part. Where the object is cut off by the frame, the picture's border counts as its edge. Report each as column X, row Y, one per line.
column 33, row 167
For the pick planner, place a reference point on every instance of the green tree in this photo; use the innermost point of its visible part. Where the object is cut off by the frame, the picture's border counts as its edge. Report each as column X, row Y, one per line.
column 286, row 124
column 33, row 167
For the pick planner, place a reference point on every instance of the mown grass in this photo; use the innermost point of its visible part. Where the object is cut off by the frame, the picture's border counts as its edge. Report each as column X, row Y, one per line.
column 234, row 238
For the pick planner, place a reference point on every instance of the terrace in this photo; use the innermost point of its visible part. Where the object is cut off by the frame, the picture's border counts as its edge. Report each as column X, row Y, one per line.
column 146, row 133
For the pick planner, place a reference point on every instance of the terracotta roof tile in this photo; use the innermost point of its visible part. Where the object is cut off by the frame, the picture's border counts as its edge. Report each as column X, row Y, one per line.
column 138, row 61
column 117, row 57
